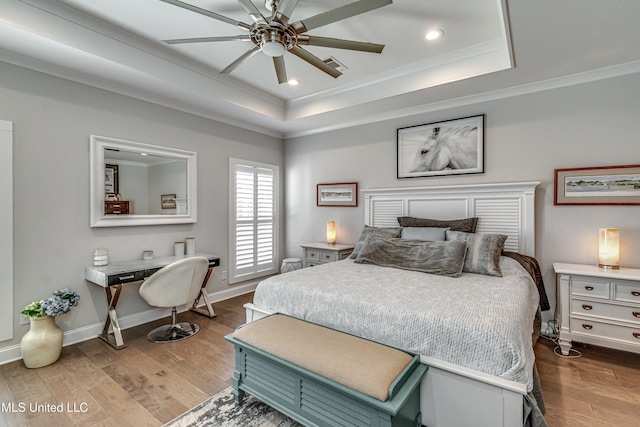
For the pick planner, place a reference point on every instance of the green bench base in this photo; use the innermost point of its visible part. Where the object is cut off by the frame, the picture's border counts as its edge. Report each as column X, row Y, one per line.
column 314, row 400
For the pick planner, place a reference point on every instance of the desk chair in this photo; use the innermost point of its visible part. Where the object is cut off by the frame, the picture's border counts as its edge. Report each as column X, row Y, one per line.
column 176, row 284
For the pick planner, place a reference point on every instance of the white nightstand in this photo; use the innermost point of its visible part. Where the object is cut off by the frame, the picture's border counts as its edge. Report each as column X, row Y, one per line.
column 322, row 253
column 598, row 306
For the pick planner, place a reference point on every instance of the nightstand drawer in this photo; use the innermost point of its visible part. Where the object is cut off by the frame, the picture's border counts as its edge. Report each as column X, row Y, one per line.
column 589, row 288
column 605, row 330
column 610, row 311
column 328, row 256
column 628, row 293
column 312, row 255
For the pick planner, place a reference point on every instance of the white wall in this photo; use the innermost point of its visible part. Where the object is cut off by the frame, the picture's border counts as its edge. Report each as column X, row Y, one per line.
column 526, row 138
column 52, row 120
column 6, row 230
column 134, row 187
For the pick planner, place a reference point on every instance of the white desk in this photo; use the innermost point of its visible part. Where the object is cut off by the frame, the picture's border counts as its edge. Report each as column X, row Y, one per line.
column 113, row 276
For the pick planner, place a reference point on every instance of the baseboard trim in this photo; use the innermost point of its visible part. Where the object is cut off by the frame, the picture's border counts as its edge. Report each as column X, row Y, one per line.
column 75, row 336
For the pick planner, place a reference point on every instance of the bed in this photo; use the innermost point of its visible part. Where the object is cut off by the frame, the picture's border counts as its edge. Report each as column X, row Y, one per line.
column 469, row 383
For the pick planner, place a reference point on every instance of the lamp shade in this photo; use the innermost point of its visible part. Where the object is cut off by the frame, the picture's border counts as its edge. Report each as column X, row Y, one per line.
column 331, row 232
column 609, row 248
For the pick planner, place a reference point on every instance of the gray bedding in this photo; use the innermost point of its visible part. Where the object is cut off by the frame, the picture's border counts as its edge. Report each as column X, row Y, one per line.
column 476, row 321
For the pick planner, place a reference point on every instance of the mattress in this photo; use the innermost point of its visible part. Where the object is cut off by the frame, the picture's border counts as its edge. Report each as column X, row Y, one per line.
column 476, row 321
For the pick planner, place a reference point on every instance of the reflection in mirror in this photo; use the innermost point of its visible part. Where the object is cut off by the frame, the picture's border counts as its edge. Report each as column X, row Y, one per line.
column 141, row 184
column 138, row 181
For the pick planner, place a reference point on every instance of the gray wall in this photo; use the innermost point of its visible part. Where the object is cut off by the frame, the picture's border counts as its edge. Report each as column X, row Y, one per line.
column 526, row 138
column 52, row 120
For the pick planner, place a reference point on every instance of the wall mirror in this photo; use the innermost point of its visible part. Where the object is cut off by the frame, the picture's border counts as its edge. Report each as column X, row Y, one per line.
column 140, row 184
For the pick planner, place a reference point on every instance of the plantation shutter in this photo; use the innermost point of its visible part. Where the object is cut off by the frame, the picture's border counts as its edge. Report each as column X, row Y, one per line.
column 254, row 220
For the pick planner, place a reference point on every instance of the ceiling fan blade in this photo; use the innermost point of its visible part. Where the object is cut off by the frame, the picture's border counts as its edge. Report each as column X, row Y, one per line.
column 243, row 37
column 339, row 14
column 315, row 61
column 235, row 64
column 208, row 13
column 284, row 10
column 340, row 44
column 281, row 71
column 253, row 11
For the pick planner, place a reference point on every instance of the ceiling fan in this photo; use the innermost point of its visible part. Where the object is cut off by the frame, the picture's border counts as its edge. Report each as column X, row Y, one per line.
column 274, row 35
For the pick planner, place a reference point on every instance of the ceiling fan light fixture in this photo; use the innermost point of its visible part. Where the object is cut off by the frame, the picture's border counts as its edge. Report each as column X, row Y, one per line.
column 273, row 49
column 273, row 44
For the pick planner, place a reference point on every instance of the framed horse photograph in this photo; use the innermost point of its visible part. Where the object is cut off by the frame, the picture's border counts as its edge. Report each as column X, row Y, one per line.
column 451, row 147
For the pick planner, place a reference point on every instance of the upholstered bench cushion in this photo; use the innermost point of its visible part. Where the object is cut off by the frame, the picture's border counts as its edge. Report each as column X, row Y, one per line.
column 354, row 362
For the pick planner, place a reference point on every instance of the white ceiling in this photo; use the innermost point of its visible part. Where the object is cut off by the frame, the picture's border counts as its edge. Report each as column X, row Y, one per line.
column 489, row 47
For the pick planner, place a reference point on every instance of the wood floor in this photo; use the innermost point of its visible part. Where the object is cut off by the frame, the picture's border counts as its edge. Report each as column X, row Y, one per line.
column 149, row 384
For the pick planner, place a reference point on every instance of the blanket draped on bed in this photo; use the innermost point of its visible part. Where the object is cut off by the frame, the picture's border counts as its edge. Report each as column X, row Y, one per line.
column 476, row 321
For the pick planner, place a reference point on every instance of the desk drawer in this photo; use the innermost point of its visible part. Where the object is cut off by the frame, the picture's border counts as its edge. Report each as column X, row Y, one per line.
column 116, row 279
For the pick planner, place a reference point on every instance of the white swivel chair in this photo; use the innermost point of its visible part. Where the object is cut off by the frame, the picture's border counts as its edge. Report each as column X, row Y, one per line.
column 174, row 285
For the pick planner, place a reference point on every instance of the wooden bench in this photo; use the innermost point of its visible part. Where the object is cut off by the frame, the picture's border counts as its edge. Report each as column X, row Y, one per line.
column 322, row 377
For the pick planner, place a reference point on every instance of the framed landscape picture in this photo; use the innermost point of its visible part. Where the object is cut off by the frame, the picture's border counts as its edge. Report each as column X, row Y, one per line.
column 340, row 194
column 168, row 201
column 603, row 185
column 451, row 147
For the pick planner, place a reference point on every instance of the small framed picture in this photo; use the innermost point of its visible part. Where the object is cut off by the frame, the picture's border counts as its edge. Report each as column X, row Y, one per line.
column 111, row 179
column 339, row 194
column 168, row 201
column 602, row 185
column 451, row 147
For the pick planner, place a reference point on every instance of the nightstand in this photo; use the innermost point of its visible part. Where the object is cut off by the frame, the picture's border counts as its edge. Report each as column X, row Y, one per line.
column 598, row 306
column 322, row 253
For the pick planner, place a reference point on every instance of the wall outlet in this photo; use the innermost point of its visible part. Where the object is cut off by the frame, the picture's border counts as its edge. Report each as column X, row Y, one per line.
column 224, row 275
column 23, row 320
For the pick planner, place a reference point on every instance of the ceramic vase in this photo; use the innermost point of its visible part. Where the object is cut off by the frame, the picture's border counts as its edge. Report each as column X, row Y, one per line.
column 42, row 345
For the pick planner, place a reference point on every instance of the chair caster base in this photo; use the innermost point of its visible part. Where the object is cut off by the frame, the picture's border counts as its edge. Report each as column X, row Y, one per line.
column 172, row 333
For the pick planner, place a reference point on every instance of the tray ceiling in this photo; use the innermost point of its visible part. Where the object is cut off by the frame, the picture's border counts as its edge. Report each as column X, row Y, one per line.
column 488, row 45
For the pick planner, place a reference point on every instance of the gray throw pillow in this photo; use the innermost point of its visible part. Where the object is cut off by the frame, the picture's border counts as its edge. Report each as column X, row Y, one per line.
column 443, row 258
column 433, row 234
column 378, row 231
column 468, row 225
column 483, row 251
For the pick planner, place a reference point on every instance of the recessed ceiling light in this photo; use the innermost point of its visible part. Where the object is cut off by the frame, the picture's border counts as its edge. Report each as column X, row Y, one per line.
column 434, row 34
column 293, row 82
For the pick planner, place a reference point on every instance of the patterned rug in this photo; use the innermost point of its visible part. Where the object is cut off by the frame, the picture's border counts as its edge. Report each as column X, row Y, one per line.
column 221, row 410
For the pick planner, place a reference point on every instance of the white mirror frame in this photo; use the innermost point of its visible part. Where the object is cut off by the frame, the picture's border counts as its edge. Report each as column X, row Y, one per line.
column 97, row 145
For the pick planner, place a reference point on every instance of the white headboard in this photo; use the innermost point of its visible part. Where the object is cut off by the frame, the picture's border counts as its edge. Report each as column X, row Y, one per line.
column 505, row 208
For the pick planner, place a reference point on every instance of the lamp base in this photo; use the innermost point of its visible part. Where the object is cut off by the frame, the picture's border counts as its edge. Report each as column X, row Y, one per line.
column 609, row 267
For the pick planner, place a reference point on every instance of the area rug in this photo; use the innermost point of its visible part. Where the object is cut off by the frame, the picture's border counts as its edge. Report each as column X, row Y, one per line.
column 221, row 410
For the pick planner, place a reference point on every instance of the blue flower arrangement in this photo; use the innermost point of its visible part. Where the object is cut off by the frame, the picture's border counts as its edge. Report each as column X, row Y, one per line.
column 57, row 304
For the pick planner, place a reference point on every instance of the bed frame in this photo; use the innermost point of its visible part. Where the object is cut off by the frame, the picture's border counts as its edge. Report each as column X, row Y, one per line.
column 452, row 395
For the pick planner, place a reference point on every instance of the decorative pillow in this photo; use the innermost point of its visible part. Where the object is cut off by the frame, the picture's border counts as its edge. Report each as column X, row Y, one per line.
column 468, row 225
column 367, row 231
column 433, row 234
column 483, row 251
column 443, row 258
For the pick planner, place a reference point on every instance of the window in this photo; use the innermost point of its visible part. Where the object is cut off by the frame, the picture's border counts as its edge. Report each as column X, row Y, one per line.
column 254, row 220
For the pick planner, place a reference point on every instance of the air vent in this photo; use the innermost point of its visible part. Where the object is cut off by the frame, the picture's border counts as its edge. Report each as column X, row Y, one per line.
column 334, row 63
